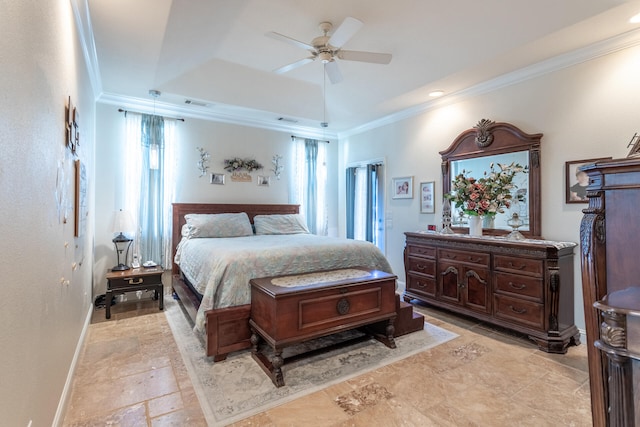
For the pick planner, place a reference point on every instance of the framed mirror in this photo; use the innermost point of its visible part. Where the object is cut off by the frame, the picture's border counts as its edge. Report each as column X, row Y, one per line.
column 475, row 149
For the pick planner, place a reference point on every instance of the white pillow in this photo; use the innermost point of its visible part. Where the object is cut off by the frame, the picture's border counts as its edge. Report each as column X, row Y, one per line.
column 280, row 224
column 217, row 225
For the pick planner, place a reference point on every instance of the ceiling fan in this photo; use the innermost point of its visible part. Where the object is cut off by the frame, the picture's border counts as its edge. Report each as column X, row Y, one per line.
column 327, row 48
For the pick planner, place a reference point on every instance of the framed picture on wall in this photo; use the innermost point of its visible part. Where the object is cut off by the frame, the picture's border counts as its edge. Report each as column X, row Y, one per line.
column 217, row 178
column 577, row 181
column 402, row 187
column 264, row 181
column 427, row 197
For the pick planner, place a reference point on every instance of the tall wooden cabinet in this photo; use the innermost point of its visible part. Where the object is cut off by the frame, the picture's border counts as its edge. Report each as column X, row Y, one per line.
column 525, row 285
column 609, row 235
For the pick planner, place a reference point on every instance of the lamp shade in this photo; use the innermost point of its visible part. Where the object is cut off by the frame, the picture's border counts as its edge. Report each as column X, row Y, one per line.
column 123, row 222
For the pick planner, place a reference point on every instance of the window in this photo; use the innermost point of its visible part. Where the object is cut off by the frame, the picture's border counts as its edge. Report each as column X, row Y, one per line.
column 149, row 168
column 309, row 183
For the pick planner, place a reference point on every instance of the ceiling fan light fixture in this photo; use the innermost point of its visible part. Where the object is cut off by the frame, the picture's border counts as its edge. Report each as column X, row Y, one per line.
column 325, row 57
column 635, row 19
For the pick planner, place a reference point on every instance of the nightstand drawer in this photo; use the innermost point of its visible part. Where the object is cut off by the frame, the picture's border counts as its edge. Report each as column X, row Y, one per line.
column 126, row 282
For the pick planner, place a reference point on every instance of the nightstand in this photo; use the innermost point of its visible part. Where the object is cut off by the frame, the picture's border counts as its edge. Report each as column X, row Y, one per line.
column 135, row 279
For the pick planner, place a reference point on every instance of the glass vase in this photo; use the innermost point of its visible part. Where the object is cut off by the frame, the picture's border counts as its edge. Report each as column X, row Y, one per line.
column 475, row 225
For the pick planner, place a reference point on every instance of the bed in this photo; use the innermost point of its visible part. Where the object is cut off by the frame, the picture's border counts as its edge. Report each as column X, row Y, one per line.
column 211, row 275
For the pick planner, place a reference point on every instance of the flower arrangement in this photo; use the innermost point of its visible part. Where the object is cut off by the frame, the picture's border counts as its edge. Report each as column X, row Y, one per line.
column 237, row 164
column 488, row 195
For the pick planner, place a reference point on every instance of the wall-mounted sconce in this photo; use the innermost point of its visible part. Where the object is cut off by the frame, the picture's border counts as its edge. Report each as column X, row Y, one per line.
column 277, row 167
column 202, row 163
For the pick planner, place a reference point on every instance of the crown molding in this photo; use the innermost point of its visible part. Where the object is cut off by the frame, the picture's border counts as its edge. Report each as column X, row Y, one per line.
column 80, row 10
column 222, row 113
column 255, row 118
column 559, row 62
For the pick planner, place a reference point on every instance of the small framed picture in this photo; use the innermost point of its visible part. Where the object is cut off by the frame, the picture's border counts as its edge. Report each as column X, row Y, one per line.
column 402, row 187
column 264, row 181
column 427, row 197
column 577, row 181
column 217, row 178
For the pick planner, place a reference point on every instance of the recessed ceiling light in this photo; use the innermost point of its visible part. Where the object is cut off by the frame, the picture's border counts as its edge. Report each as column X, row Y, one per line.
column 436, row 93
column 635, row 19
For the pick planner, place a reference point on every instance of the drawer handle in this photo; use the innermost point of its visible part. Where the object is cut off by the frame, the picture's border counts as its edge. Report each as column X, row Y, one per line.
column 420, row 266
column 421, row 285
column 515, row 310
column 521, row 267
column 472, row 259
column 518, row 287
column 136, row 281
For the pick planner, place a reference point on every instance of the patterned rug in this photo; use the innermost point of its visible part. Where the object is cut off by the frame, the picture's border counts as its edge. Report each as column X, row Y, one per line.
column 238, row 388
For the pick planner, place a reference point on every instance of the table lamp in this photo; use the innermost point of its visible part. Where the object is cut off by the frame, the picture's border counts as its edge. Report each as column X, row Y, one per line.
column 122, row 223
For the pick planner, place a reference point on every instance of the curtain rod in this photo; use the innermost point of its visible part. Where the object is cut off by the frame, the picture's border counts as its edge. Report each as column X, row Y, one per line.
column 301, row 137
column 120, row 110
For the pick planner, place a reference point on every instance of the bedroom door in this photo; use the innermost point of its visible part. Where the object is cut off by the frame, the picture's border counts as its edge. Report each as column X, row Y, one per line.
column 365, row 203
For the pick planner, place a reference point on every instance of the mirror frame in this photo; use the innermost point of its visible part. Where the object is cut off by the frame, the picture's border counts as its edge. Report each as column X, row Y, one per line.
column 488, row 138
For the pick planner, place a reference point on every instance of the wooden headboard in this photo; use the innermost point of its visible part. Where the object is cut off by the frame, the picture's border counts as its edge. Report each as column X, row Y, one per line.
column 181, row 209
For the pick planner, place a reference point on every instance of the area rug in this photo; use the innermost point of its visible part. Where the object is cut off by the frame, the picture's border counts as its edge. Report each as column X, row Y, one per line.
column 238, row 388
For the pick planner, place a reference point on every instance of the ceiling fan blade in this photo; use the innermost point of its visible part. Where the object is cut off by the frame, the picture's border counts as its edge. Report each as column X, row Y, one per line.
column 356, row 55
column 289, row 40
column 293, row 65
column 333, row 72
column 345, row 31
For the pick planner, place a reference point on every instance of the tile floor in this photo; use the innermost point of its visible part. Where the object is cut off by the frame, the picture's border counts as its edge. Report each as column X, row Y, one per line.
column 131, row 374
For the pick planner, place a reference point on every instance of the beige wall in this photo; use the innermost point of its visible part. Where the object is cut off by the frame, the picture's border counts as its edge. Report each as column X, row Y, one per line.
column 222, row 141
column 586, row 111
column 45, row 301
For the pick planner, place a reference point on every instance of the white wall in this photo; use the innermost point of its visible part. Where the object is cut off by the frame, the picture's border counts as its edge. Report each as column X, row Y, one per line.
column 45, row 301
column 586, row 111
column 222, row 141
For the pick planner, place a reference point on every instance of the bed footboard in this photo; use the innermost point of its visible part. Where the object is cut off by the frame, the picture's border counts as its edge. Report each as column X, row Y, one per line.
column 227, row 331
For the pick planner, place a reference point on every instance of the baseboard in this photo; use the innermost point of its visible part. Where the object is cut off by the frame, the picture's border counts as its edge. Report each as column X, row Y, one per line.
column 66, row 391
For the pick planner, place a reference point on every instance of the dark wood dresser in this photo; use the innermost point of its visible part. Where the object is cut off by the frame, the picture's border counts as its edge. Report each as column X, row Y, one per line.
column 525, row 285
column 609, row 234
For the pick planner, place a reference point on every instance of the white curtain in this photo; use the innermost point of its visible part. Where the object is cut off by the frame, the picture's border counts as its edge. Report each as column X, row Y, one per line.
column 309, row 183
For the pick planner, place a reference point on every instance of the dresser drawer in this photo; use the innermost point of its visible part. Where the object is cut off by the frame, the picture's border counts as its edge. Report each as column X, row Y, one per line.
column 520, row 311
column 422, row 266
column 517, row 265
column 519, row 285
column 476, row 258
column 421, row 251
column 421, row 285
